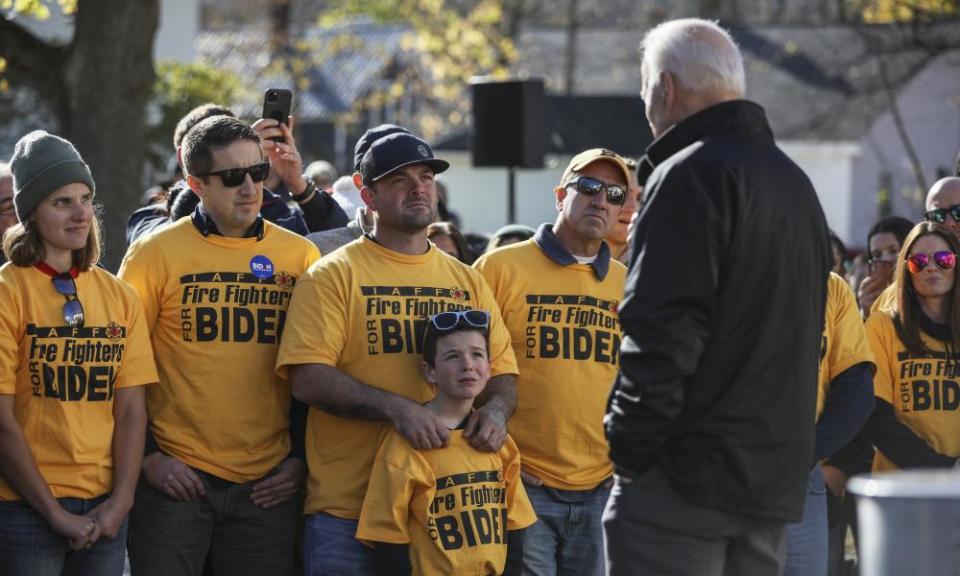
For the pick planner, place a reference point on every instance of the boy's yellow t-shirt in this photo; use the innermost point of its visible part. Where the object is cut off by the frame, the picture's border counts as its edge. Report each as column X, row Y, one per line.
column 452, row 505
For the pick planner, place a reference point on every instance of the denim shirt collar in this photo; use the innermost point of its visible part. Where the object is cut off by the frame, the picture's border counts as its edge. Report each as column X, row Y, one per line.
column 205, row 225
column 551, row 246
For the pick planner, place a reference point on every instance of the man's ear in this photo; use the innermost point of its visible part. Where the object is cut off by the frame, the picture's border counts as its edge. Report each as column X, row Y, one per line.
column 560, row 192
column 428, row 372
column 366, row 194
column 358, row 180
column 196, row 184
column 667, row 90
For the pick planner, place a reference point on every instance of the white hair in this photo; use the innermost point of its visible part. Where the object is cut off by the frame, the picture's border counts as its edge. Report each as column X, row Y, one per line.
column 321, row 170
column 700, row 55
column 346, row 195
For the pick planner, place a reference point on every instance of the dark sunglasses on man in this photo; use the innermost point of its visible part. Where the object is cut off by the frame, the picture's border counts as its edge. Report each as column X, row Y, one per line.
column 589, row 186
column 232, row 177
column 72, row 308
column 939, row 215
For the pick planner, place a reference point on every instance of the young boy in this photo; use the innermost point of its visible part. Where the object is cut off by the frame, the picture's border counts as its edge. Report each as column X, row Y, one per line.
column 454, row 510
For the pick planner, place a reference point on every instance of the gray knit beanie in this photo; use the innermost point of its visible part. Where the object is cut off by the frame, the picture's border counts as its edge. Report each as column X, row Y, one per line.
column 41, row 164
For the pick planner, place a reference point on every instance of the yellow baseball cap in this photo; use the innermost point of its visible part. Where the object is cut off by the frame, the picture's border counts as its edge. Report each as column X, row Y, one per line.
column 587, row 157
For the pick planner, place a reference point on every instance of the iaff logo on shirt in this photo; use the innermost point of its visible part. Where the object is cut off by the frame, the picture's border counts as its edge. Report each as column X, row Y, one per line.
column 469, row 509
column 396, row 315
column 74, row 364
column 927, row 382
column 234, row 306
column 572, row 327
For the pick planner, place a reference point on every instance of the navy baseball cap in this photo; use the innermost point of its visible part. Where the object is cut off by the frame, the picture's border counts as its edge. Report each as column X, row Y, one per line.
column 371, row 136
column 396, row 151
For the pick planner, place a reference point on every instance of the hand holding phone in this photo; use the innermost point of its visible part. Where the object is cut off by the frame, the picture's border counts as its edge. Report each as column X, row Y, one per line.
column 276, row 105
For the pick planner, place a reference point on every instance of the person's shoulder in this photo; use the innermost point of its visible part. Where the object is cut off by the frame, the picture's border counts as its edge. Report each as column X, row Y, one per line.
column 396, row 452
column 510, row 255
column 330, row 240
column 290, row 240
column 880, row 321
column 161, row 239
column 341, row 259
column 107, row 281
column 617, row 269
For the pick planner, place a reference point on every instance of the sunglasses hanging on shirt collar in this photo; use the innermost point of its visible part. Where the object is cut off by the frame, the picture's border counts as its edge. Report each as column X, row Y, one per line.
column 72, row 308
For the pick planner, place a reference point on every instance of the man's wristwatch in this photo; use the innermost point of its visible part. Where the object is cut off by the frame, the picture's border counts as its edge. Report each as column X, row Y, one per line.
column 307, row 192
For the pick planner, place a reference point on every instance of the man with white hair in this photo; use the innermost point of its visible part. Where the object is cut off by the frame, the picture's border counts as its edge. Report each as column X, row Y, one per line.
column 711, row 418
column 322, row 173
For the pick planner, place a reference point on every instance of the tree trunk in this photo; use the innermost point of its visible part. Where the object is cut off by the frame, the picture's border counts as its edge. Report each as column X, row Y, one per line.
column 108, row 77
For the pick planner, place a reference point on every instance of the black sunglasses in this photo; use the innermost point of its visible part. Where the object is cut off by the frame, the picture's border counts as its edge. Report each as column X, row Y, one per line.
column 449, row 320
column 235, row 176
column 939, row 215
column 588, row 186
column 72, row 308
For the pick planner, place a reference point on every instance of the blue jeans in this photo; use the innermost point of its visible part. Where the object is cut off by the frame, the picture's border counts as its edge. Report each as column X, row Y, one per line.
column 29, row 547
column 567, row 537
column 331, row 548
column 807, row 542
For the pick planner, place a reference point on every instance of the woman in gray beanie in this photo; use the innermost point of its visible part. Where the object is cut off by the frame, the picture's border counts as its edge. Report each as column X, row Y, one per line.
column 74, row 356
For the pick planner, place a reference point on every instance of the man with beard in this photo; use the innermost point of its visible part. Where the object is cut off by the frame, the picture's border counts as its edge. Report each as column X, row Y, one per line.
column 352, row 348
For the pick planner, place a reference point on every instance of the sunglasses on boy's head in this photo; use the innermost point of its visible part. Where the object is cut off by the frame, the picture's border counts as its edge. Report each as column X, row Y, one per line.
column 939, row 215
column 234, row 176
column 72, row 308
column 449, row 320
column 944, row 259
column 589, row 186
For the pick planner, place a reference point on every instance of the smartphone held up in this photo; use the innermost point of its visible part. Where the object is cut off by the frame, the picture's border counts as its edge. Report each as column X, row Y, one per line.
column 276, row 105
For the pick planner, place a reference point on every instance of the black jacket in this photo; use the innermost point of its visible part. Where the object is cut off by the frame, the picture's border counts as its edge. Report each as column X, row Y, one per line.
column 722, row 318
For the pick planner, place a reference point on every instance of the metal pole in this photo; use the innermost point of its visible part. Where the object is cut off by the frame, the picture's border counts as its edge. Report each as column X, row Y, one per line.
column 512, row 195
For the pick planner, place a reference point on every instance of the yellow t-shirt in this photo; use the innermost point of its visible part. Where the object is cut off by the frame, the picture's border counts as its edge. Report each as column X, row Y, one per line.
column 923, row 390
column 64, row 378
column 886, row 301
column 362, row 309
column 453, row 506
column 216, row 307
column 566, row 336
column 844, row 342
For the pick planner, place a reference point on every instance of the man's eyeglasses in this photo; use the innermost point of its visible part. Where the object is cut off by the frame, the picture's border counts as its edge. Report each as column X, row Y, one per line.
column 72, row 308
column 940, row 214
column 944, row 259
column 449, row 320
column 235, row 176
column 589, row 186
